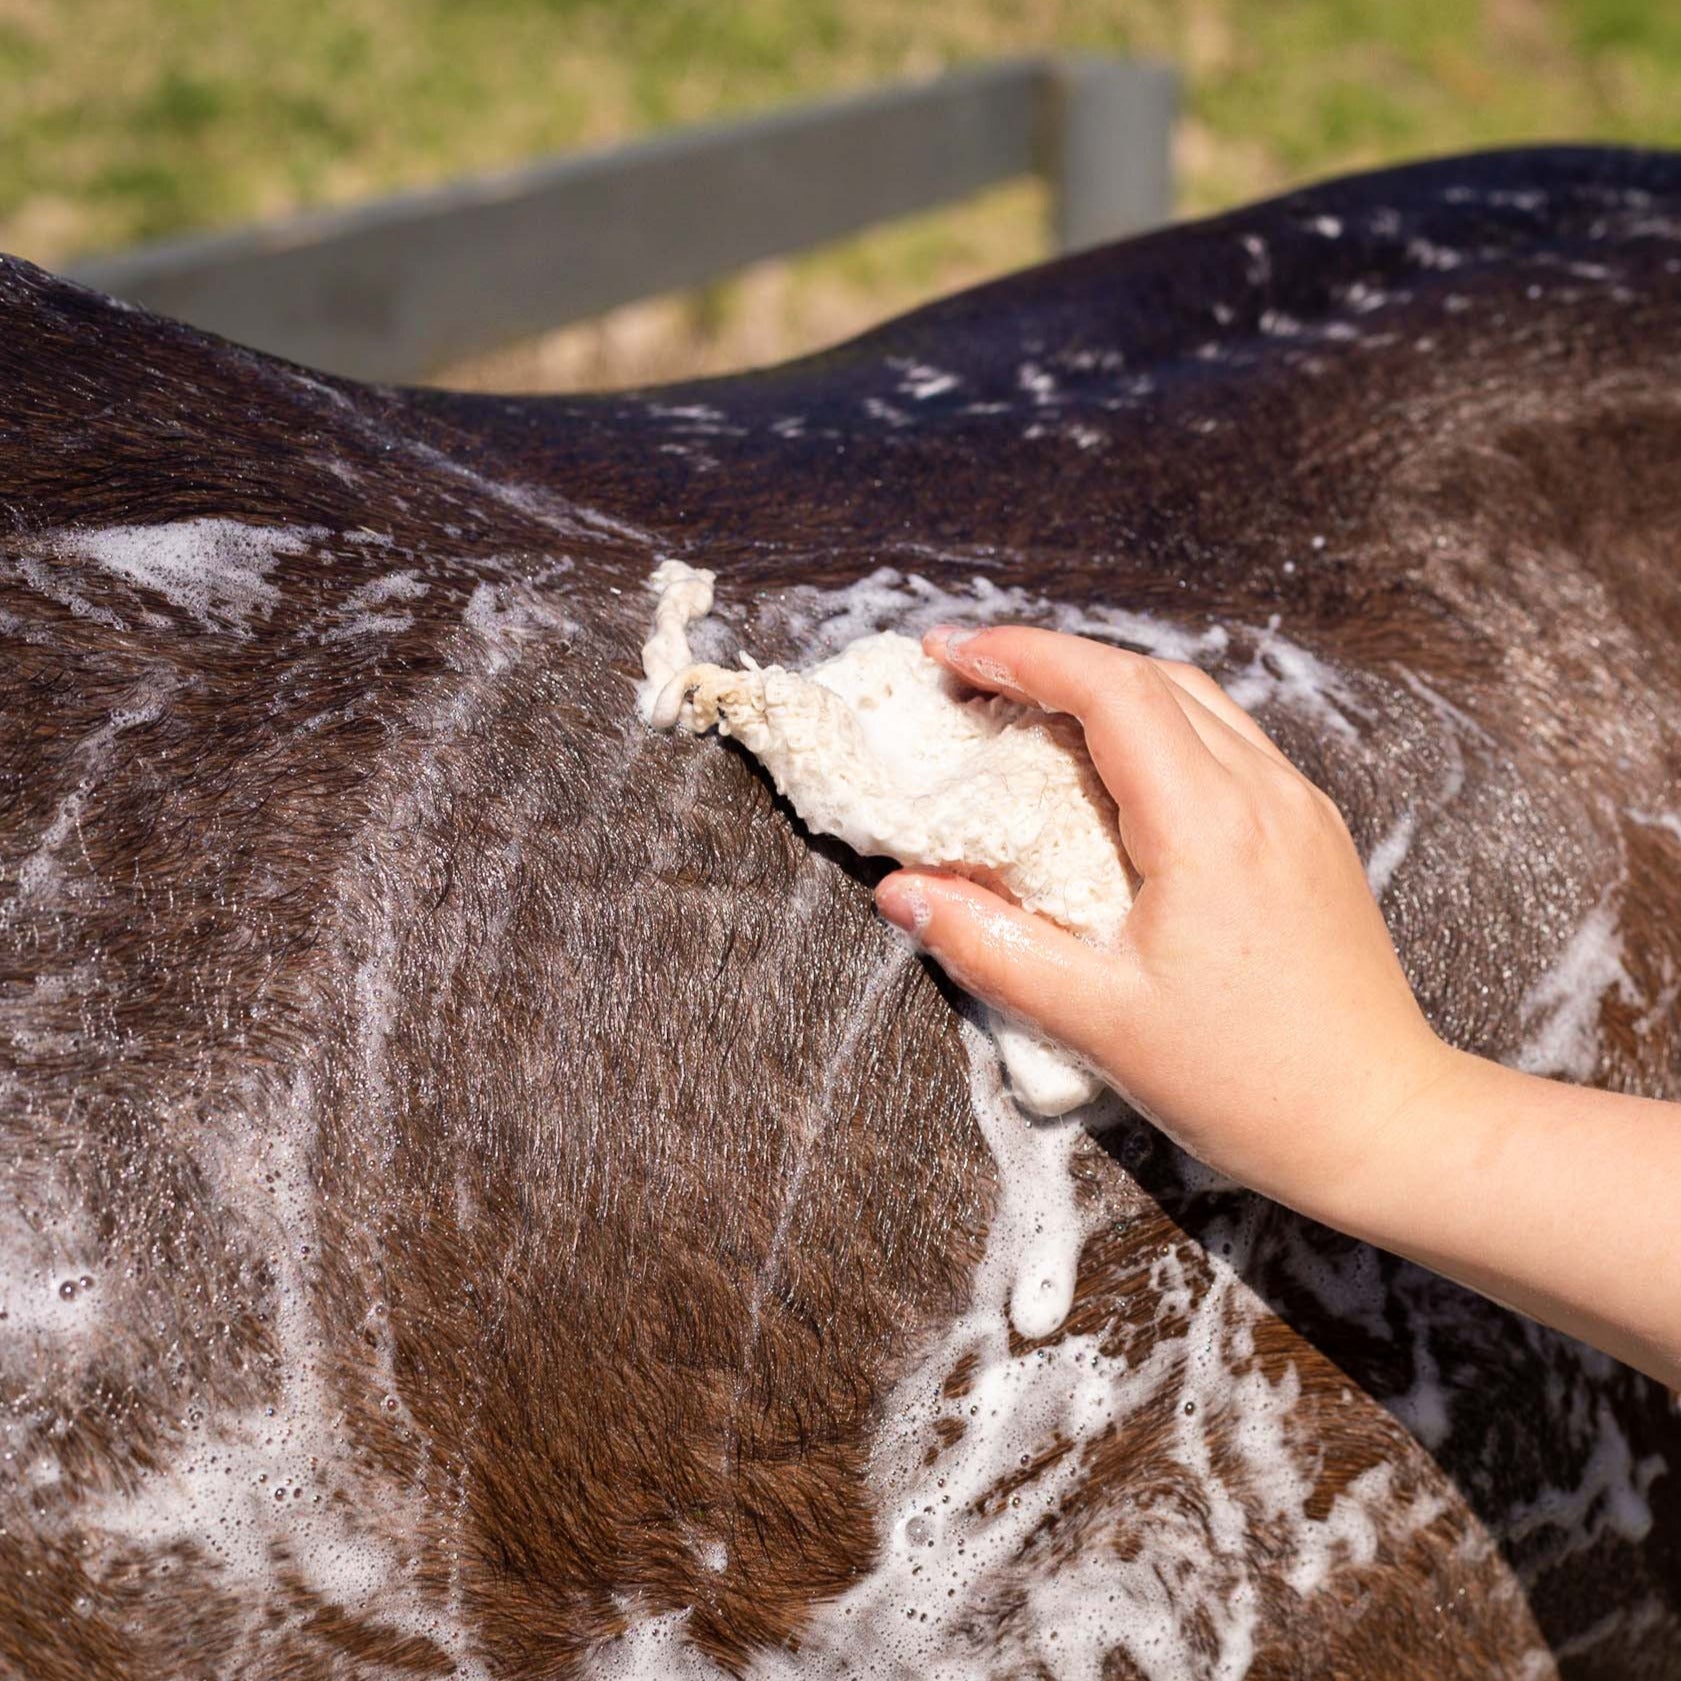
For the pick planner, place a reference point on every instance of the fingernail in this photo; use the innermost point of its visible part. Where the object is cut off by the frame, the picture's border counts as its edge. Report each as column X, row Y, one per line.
column 953, row 641
column 901, row 900
column 950, row 638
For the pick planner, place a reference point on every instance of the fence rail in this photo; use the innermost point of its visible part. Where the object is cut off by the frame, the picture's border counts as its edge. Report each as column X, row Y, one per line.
column 394, row 288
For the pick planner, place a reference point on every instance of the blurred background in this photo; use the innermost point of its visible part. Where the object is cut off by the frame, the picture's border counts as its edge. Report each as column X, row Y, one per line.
column 126, row 121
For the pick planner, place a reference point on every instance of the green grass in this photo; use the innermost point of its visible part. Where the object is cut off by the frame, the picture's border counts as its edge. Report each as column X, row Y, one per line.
column 132, row 119
column 127, row 120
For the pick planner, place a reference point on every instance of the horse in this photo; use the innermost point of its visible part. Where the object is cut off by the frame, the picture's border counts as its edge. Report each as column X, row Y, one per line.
column 483, row 1195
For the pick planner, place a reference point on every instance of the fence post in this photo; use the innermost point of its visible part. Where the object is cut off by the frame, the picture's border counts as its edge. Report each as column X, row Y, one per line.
column 389, row 289
column 1108, row 146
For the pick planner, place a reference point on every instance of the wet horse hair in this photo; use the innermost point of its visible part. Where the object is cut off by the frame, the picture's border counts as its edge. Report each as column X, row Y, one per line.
column 481, row 1193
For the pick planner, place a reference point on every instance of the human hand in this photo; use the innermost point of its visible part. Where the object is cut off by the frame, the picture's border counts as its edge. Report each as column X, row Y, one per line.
column 1254, row 1007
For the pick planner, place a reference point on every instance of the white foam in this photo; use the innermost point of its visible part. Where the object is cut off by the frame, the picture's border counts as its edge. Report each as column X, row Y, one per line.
column 1257, row 270
column 893, row 415
column 1037, row 1232
column 987, row 1564
column 368, row 609
column 1561, row 1010
column 41, row 872
column 919, row 382
column 1454, row 729
column 506, row 618
column 652, row 1648
column 703, row 413
column 214, row 570
column 252, row 1490
column 1633, row 1623
column 286, row 1486
column 975, row 1487
column 49, row 1290
column 51, row 582
column 289, row 1487
column 1612, row 1496
column 1282, row 672
column 1390, row 852
column 1668, row 821
column 1426, row 1408
column 539, row 503
column 1037, row 382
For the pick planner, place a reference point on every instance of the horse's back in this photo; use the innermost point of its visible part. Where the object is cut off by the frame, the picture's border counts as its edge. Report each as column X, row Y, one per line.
column 481, row 1191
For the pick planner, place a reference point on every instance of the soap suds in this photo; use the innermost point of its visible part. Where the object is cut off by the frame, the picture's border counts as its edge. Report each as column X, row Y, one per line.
column 888, row 599
column 505, row 619
column 1028, row 1420
column 371, row 610
column 1561, row 1011
column 992, row 1558
column 248, row 1493
column 214, row 570
column 1282, row 670
column 882, row 748
column 41, row 873
column 1390, row 852
column 49, row 1288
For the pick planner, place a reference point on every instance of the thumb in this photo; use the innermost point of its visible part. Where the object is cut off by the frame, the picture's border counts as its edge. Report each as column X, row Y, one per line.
column 1009, row 958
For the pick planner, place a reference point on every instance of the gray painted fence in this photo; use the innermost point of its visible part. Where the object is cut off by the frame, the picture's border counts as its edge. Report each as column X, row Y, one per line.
column 397, row 287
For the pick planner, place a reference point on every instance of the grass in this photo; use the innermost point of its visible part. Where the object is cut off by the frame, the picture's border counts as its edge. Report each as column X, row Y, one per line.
column 128, row 120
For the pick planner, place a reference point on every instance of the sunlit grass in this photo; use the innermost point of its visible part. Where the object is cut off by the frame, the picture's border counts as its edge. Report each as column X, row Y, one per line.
column 128, row 120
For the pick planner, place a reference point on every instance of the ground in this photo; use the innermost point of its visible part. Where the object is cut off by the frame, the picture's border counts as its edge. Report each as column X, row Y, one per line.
column 128, row 120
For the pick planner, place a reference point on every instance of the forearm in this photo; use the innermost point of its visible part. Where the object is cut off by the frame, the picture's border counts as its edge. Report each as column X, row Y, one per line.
column 1255, row 1009
column 1562, row 1202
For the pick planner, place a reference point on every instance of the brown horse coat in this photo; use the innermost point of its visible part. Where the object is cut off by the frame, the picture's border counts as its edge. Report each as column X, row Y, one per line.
column 481, row 1193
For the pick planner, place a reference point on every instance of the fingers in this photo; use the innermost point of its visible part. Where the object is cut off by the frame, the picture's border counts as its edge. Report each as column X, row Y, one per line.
column 1149, row 752
column 988, row 665
column 1203, row 689
column 1008, row 958
column 1233, row 751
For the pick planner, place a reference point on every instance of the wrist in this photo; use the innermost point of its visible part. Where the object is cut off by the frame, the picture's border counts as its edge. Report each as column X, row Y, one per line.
column 1427, row 1138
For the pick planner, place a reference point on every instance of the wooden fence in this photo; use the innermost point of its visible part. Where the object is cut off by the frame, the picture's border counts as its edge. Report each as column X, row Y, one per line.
column 394, row 288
